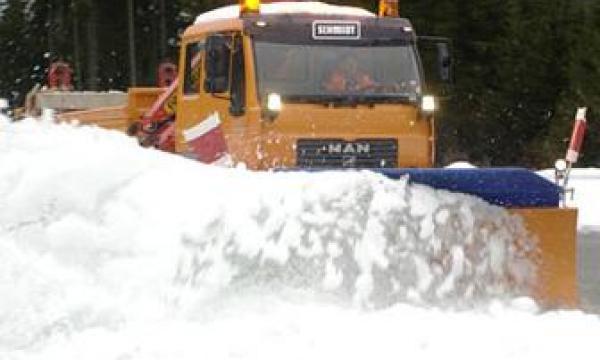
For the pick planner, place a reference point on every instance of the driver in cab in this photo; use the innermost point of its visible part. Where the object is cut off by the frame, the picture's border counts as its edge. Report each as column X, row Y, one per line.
column 348, row 76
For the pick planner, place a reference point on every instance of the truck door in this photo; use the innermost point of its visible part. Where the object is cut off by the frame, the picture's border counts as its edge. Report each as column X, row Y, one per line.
column 221, row 93
column 189, row 104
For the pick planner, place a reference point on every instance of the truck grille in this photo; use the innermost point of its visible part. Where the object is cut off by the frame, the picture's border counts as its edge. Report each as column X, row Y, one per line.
column 336, row 153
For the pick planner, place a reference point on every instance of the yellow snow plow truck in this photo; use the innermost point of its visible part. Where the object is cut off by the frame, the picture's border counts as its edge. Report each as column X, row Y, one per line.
column 307, row 85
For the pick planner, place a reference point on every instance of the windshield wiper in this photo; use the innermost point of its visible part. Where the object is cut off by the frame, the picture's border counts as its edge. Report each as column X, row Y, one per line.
column 382, row 98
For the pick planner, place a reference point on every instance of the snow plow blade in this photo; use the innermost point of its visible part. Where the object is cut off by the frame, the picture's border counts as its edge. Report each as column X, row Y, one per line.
column 533, row 198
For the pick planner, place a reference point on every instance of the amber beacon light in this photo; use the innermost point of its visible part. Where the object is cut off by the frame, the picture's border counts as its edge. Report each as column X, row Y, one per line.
column 388, row 8
column 249, row 7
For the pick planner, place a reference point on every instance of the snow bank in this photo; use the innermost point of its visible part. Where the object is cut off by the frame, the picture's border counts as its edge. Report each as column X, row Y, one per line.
column 586, row 183
column 88, row 191
column 110, row 251
column 308, row 7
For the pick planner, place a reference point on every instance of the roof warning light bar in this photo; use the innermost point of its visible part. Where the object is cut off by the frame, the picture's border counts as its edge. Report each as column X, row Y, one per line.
column 249, row 7
column 388, row 8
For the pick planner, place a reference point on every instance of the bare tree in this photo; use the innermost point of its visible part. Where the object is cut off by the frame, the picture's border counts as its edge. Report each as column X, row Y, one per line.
column 92, row 45
column 163, row 29
column 76, row 42
column 131, row 31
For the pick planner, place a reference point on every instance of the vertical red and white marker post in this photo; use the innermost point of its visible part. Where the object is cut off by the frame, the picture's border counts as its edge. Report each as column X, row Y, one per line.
column 206, row 142
column 577, row 137
column 563, row 167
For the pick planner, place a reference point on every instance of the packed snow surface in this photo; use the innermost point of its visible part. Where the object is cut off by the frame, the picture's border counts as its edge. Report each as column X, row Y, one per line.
column 111, row 251
column 307, row 7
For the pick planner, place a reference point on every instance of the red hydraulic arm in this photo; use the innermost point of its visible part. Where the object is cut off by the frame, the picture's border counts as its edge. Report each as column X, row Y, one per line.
column 156, row 128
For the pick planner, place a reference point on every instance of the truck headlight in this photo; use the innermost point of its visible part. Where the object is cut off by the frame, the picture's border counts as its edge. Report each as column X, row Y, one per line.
column 271, row 107
column 274, row 102
column 428, row 104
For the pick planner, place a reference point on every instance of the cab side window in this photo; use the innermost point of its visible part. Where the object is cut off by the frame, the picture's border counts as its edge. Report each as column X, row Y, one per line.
column 218, row 63
column 224, row 70
column 193, row 65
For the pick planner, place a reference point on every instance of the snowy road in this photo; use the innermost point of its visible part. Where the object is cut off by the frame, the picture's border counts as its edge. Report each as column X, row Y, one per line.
column 589, row 270
column 98, row 262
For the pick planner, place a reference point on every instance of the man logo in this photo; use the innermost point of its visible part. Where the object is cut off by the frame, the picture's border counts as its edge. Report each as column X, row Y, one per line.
column 334, row 148
column 348, row 148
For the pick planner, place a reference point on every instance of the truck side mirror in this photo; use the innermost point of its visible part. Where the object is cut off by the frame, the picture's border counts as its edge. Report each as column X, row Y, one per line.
column 217, row 64
column 436, row 56
column 444, row 62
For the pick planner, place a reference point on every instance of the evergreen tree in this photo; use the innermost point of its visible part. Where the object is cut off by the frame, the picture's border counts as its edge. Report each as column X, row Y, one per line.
column 22, row 62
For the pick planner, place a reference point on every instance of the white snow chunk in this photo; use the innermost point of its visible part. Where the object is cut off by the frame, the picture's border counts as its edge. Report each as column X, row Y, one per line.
column 461, row 165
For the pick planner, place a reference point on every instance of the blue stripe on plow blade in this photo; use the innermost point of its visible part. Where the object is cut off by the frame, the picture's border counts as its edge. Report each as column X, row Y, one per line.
column 507, row 187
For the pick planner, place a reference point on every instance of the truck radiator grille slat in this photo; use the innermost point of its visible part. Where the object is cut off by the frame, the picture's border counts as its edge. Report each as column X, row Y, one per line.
column 336, row 153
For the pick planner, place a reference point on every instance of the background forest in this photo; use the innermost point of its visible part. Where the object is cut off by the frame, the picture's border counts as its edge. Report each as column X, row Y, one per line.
column 521, row 66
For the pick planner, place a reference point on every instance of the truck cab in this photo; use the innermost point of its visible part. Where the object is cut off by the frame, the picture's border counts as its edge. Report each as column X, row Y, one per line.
column 306, row 85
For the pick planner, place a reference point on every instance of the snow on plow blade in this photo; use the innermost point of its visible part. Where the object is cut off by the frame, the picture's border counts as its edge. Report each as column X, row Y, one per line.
column 536, row 201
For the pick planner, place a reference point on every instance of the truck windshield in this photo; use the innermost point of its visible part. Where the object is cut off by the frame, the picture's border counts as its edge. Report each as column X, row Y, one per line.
column 328, row 73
